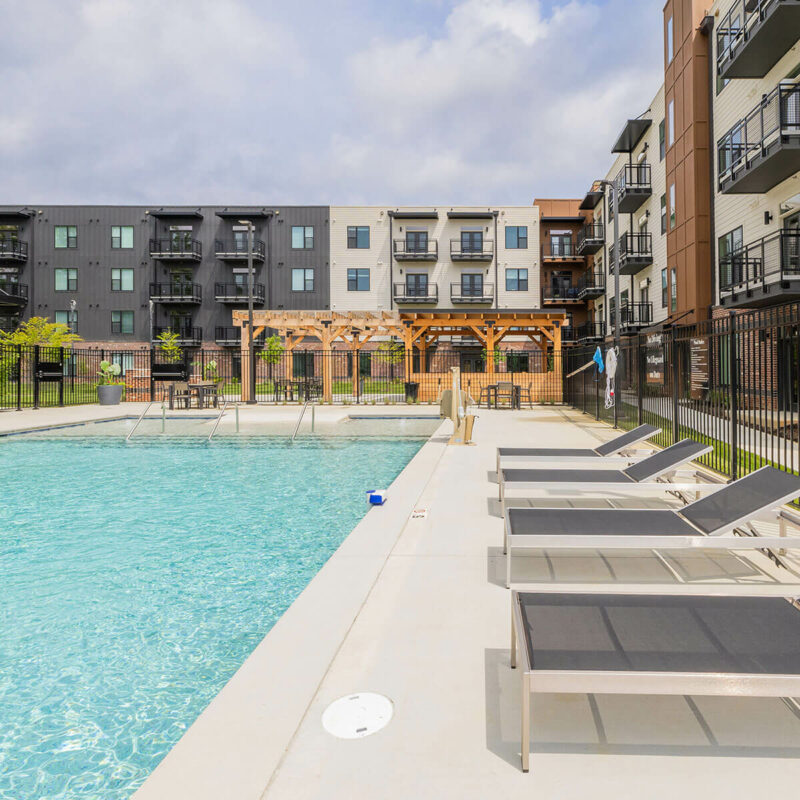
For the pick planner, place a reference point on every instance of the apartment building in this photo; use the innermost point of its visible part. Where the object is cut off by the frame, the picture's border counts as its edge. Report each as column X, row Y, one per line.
column 120, row 275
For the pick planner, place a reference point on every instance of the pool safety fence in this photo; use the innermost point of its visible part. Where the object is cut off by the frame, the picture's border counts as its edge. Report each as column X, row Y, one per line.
column 38, row 377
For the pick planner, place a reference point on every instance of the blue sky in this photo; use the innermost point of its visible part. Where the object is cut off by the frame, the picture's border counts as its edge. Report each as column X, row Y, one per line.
column 354, row 101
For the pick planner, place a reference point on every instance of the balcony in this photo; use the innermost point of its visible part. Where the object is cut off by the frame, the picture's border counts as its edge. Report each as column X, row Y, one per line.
column 591, row 238
column 403, row 293
column 176, row 292
column 561, row 250
column 560, row 295
column 765, row 272
column 176, row 249
column 237, row 293
column 591, row 285
column 13, row 251
column 187, row 337
column 13, row 294
column 762, row 149
column 590, row 332
column 405, row 250
column 633, row 187
column 232, row 337
column 635, row 253
column 236, row 250
column 754, row 35
column 472, row 295
column 633, row 317
column 471, row 251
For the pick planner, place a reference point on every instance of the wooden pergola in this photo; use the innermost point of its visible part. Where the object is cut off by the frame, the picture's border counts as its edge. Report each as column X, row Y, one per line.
column 417, row 330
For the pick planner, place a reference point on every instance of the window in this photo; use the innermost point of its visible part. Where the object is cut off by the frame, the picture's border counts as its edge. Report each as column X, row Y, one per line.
column 663, row 288
column 302, row 280
column 472, row 285
column 731, row 269
column 303, row 364
column 663, row 213
column 122, row 322
column 121, row 280
column 673, row 289
column 471, row 241
column 66, row 236
column 68, row 318
column 644, row 294
column 671, row 122
column 662, row 140
column 517, row 362
column 672, row 216
column 516, row 237
column 66, row 280
column 516, row 280
column 302, row 237
column 357, row 280
column 125, row 361
column 670, row 41
column 122, row 237
column 357, row 237
column 416, row 284
column 561, row 243
column 416, row 241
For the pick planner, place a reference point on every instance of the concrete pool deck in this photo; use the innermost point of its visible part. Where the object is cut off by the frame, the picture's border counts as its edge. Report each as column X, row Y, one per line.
column 416, row 609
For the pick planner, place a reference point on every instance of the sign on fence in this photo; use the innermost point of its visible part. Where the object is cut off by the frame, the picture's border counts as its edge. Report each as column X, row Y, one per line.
column 698, row 378
column 654, row 356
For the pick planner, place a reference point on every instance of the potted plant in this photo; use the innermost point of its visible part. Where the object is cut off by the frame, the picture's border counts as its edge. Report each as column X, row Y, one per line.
column 110, row 387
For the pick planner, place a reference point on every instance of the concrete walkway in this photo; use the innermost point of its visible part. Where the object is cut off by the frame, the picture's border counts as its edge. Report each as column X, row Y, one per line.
column 415, row 609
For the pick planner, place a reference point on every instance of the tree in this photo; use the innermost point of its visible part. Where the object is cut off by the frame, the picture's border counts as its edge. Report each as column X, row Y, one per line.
column 39, row 330
column 389, row 353
column 273, row 350
column 169, row 347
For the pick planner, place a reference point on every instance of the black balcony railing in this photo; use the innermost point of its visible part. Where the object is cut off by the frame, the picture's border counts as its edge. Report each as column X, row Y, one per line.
column 465, row 293
column 635, row 253
column 462, row 250
column 633, row 186
column 181, row 247
column 237, row 292
column 633, row 315
column 560, row 249
column 13, row 293
column 761, row 150
column 591, row 284
column 590, row 331
column 411, row 250
column 404, row 293
column 754, row 35
column 760, row 264
column 232, row 336
column 13, row 250
column 237, row 249
column 591, row 238
column 561, row 294
column 176, row 292
column 186, row 335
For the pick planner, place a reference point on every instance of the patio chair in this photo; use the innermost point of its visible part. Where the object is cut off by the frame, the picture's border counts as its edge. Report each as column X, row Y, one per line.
column 524, row 394
column 180, row 393
column 606, row 453
column 505, row 392
column 639, row 478
column 703, row 524
column 710, row 640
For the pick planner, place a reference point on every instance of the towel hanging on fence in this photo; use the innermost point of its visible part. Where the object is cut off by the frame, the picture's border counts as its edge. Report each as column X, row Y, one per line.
column 611, row 370
column 598, row 359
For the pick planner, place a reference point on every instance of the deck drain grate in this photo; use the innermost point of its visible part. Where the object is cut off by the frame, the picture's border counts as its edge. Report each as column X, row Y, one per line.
column 357, row 715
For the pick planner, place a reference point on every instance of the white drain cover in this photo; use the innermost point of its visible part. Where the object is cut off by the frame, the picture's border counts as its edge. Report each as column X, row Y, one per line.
column 357, row 715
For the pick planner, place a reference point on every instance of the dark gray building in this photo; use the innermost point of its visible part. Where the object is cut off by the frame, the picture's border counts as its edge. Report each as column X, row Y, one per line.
column 121, row 274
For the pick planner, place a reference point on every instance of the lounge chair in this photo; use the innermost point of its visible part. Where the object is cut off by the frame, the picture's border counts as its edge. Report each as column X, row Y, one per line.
column 734, row 640
column 701, row 525
column 571, row 456
column 639, row 478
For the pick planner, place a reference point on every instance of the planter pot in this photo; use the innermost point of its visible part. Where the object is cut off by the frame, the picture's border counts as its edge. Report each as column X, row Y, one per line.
column 110, row 395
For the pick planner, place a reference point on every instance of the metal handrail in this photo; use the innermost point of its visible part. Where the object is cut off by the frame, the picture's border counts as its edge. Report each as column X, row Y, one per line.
column 141, row 417
column 300, row 419
column 218, row 420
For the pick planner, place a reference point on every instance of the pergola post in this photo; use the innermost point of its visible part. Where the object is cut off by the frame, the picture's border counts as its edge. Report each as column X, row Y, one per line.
column 490, row 345
column 327, row 355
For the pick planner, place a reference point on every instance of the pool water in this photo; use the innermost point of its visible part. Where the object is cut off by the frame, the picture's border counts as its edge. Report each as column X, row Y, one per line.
column 137, row 578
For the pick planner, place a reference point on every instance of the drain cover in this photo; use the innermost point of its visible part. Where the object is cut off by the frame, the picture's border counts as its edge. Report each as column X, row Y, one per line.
column 357, row 715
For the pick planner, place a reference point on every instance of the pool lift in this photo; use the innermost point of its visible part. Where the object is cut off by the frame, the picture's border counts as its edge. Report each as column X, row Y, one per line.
column 453, row 404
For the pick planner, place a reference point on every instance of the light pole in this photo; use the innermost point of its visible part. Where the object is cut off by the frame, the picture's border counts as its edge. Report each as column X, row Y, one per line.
column 252, row 352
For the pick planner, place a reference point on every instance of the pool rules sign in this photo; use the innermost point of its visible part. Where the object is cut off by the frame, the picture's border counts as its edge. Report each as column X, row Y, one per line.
column 654, row 358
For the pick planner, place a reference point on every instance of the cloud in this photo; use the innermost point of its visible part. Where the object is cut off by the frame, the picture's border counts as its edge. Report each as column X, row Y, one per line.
column 196, row 101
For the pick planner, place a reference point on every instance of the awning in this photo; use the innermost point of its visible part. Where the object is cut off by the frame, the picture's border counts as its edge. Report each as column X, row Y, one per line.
column 16, row 212
column 175, row 212
column 631, row 135
column 414, row 214
column 471, row 214
column 247, row 213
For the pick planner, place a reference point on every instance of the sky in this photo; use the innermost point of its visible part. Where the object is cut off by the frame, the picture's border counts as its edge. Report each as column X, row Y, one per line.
column 395, row 102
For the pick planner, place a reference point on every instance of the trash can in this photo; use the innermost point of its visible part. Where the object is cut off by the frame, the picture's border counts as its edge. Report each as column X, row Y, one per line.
column 412, row 391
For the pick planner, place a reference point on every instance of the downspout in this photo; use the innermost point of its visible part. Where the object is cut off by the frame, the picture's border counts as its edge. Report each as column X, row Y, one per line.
column 34, row 221
column 496, row 249
column 706, row 28
column 268, row 233
column 391, row 260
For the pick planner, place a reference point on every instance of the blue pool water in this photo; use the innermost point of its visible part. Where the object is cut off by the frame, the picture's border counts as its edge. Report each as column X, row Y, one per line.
column 137, row 578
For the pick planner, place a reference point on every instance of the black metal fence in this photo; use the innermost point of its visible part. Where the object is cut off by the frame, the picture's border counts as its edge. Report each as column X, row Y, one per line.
column 33, row 377
column 732, row 382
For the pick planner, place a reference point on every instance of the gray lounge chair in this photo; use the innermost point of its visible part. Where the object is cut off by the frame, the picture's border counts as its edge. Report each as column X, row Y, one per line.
column 699, row 525
column 617, row 445
column 639, row 478
column 714, row 642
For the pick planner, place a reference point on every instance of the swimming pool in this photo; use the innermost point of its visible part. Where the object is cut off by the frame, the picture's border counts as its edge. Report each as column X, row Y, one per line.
column 137, row 578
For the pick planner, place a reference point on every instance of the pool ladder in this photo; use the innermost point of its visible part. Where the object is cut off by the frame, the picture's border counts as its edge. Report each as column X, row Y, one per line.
column 300, row 418
column 219, row 419
column 141, row 417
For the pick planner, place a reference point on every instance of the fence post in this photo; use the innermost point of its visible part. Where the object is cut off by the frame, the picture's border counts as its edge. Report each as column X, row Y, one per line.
column 36, row 376
column 597, row 396
column 19, row 377
column 675, row 380
column 733, row 370
column 640, row 376
column 61, row 382
column 152, row 382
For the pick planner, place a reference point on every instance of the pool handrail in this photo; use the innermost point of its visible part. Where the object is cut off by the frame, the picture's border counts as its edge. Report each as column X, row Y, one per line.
column 217, row 421
column 141, row 417
column 300, row 418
